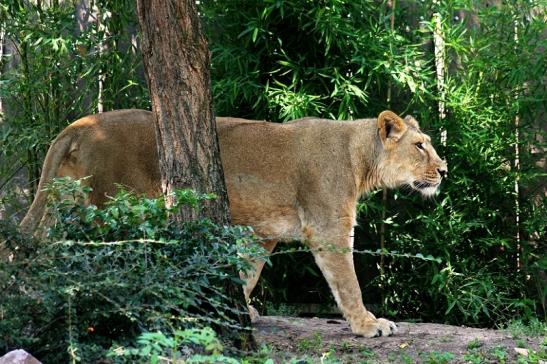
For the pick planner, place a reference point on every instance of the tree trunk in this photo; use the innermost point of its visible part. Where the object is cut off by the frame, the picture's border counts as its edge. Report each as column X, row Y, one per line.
column 176, row 60
column 1, row 65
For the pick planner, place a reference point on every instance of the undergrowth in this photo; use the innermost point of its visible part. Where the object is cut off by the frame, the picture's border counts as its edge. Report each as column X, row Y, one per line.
column 104, row 277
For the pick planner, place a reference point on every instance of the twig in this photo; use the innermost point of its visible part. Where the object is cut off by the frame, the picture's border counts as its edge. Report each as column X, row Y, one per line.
column 12, row 175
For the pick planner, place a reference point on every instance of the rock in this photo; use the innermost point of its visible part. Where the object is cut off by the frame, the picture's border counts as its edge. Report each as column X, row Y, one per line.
column 521, row 351
column 18, row 357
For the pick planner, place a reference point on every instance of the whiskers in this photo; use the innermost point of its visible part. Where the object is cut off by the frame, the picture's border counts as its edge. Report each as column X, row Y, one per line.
column 427, row 189
column 406, row 189
column 423, row 184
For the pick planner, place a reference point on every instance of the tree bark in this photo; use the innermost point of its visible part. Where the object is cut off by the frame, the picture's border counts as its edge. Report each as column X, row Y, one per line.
column 176, row 60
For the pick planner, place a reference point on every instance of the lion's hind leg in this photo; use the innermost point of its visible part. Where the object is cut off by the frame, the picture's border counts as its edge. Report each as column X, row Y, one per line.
column 251, row 277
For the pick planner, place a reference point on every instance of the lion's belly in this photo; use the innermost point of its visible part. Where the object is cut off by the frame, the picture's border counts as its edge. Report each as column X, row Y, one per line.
column 269, row 207
column 270, row 222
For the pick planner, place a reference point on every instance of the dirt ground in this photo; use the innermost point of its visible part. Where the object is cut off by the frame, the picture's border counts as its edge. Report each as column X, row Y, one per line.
column 414, row 343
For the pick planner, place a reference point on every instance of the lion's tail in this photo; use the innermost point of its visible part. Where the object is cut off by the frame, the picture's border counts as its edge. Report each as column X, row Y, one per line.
column 54, row 157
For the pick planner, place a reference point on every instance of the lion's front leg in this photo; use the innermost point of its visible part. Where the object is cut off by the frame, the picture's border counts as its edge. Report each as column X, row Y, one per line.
column 336, row 264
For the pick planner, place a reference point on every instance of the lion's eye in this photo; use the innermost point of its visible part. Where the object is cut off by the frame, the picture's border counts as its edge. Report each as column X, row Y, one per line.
column 420, row 146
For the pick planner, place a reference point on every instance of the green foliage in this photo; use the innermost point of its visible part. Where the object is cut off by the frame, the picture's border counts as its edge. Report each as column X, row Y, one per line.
column 474, row 344
column 183, row 345
column 105, row 276
column 64, row 63
column 281, row 60
column 487, row 276
column 126, row 216
column 310, row 344
column 534, row 328
column 437, row 358
column 501, row 355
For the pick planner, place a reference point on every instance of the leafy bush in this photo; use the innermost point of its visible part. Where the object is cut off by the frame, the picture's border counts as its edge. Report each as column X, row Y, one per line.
column 192, row 345
column 104, row 276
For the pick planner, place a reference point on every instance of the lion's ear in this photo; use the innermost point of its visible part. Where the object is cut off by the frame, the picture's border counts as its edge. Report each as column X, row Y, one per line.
column 390, row 126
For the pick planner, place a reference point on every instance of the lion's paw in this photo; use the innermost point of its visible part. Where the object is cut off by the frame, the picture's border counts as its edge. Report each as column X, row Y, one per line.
column 376, row 328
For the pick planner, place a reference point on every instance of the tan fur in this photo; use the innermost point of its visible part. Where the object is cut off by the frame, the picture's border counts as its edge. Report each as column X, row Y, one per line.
column 295, row 181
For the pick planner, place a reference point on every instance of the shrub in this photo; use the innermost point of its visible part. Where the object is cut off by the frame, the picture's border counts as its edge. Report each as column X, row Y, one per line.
column 105, row 276
column 192, row 345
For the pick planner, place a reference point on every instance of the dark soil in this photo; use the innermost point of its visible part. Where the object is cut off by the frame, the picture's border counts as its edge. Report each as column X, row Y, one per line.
column 414, row 343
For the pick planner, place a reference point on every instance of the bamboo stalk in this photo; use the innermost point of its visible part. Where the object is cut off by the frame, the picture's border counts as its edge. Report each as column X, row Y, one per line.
column 517, row 165
column 391, row 4
column 102, row 50
column 2, row 39
column 440, row 61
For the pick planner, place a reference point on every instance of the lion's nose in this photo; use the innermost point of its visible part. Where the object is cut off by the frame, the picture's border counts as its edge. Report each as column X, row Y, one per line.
column 443, row 172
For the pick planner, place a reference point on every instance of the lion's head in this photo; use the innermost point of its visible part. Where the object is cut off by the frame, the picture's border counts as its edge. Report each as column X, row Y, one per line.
column 407, row 156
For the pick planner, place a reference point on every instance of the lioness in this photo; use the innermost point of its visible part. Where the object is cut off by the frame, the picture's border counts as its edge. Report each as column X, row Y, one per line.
column 295, row 181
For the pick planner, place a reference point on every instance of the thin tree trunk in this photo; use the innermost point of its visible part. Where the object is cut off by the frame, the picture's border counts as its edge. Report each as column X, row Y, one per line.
column 85, row 18
column 2, row 36
column 102, row 49
column 392, row 4
column 440, row 62
column 176, row 60
column 517, row 164
column 32, row 153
